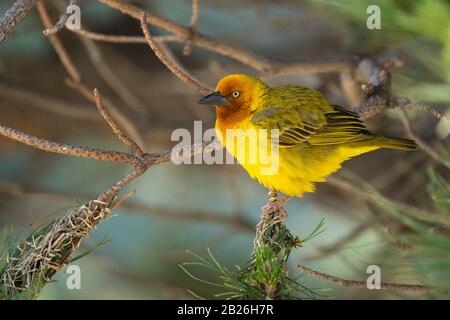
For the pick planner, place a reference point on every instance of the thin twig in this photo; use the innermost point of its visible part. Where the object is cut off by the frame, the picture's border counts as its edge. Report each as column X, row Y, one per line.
column 115, row 127
column 146, row 160
column 422, row 144
column 63, row 55
column 61, row 21
column 122, row 39
column 252, row 60
column 193, row 26
column 75, row 80
column 119, row 185
column 339, row 244
column 202, row 114
column 195, row 13
column 127, row 124
column 161, row 56
column 411, row 211
column 66, row 149
column 109, row 76
column 363, row 284
column 394, row 241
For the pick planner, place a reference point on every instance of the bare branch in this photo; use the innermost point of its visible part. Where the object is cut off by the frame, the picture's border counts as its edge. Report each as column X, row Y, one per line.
column 115, row 127
column 14, row 16
column 123, row 39
column 161, row 56
column 193, row 26
column 363, row 284
column 422, row 144
column 61, row 22
column 394, row 241
column 75, row 76
column 63, row 55
column 109, row 76
column 250, row 59
column 66, row 149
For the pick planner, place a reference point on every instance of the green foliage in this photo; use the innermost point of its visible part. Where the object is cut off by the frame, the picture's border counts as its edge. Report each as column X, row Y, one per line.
column 427, row 242
column 430, row 245
column 400, row 19
column 418, row 30
column 11, row 249
column 8, row 248
column 26, row 266
column 266, row 275
column 439, row 191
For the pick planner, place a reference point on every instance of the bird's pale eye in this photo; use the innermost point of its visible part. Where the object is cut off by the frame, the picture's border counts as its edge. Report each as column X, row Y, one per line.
column 235, row 94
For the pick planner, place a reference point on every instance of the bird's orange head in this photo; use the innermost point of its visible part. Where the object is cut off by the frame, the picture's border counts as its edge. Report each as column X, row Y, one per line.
column 236, row 97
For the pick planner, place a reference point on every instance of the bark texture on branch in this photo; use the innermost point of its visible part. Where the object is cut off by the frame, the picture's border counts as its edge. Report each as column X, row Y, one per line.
column 14, row 16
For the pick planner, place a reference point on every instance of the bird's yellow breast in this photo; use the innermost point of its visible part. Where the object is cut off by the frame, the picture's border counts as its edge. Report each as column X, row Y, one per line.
column 292, row 170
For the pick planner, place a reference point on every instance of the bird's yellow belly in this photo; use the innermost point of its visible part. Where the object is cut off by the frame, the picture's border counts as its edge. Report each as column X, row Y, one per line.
column 301, row 167
column 293, row 170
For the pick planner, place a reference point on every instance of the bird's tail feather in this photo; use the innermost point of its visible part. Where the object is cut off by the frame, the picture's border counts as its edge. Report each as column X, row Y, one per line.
column 396, row 143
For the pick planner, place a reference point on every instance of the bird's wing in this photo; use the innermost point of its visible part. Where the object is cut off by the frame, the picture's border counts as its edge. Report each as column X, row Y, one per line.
column 303, row 116
column 342, row 126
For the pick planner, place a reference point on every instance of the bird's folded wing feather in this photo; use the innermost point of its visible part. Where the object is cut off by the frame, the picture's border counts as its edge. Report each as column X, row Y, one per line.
column 309, row 121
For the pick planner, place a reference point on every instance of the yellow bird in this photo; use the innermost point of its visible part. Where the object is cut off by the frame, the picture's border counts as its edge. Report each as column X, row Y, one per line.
column 314, row 136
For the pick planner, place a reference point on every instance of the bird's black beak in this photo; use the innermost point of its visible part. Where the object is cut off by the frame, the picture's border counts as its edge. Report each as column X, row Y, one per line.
column 214, row 99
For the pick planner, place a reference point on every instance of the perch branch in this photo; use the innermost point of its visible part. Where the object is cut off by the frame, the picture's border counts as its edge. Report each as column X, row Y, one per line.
column 66, row 149
column 86, row 92
column 373, row 75
column 46, row 102
column 141, row 160
column 409, row 210
column 41, row 255
column 109, row 76
column 339, row 244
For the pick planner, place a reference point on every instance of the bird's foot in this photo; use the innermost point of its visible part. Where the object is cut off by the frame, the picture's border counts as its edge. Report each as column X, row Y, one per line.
column 275, row 205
